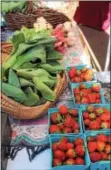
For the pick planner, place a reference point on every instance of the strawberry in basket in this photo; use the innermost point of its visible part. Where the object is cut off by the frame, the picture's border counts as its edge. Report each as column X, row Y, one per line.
column 99, row 147
column 64, row 121
column 66, row 152
column 85, row 95
column 96, row 118
column 80, row 75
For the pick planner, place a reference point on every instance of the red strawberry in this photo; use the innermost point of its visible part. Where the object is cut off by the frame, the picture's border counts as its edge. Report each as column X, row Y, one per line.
column 80, row 151
column 62, row 146
column 70, row 161
column 105, row 125
column 61, row 126
column 63, row 110
column 84, row 101
column 109, row 139
column 77, row 79
column 96, row 87
column 82, row 76
column 72, row 72
column 76, row 90
column 98, row 96
column 91, row 97
column 92, row 116
column 82, row 86
column 69, row 121
column 84, row 69
column 102, row 137
column 106, row 110
column 78, row 72
column 54, row 129
column 76, row 131
column 88, row 76
column 90, row 108
column 87, row 122
column 79, row 161
column 85, row 115
column 56, row 117
column 59, row 154
column 95, row 125
column 78, row 141
column 71, row 153
column 99, row 111
column 95, row 156
column 57, row 162
column 54, row 146
column 98, row 101
column 78, row 98
column 104, row 156
column 98, row 120
column 92, row 146
column 67, row 130
column 100, row 145
column 91, row 139
column 64, row 140
column 74, row 112
column 76, row 126
column 107, row 149
column 105, row 117
column 69, row 145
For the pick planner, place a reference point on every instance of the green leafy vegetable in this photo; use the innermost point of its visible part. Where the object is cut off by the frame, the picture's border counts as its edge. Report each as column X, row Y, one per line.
column 8, row 6
column 13, row 92
column 32, row 99
column 24, row 82
column 13, row 79
column 33, row 36
column 46, row 92
column 32, row 55
column 53, row 55
column 30, row 73
column 52, row 68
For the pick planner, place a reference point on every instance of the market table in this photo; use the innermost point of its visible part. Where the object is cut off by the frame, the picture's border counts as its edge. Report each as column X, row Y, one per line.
column 34, row 132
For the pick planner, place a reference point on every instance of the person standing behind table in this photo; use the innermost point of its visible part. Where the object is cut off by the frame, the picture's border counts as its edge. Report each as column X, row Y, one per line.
column 94, row 14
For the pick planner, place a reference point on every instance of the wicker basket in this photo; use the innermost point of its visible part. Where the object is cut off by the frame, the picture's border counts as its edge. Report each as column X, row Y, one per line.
column 20, row 111
column 15, row 20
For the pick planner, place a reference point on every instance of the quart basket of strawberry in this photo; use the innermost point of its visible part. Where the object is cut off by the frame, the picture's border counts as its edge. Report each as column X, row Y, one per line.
column 96, row 117
column 80, row 73
column 87, row 93
column 99, row 148
column 69, row 152
column 64, row 120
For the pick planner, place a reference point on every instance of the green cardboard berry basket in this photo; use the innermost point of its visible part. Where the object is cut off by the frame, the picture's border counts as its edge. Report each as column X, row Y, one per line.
column 80, row 67
column 100, row 165
column 53, row 110
column 83, row 108
column 88, row 85
column 71, row 138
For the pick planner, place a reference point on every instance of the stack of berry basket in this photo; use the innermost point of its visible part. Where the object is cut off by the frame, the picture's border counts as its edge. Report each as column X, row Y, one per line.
column 80, row 135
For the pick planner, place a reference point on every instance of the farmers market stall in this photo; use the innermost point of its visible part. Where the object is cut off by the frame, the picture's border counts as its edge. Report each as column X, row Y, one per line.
column 38, row 91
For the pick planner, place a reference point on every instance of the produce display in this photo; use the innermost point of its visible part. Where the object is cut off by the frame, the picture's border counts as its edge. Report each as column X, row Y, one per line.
column 64, row 121
column 87, row 93
column 29, row 75
column 83, row 74
column 66, row 152
column 96, row 118
column 99, row 147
